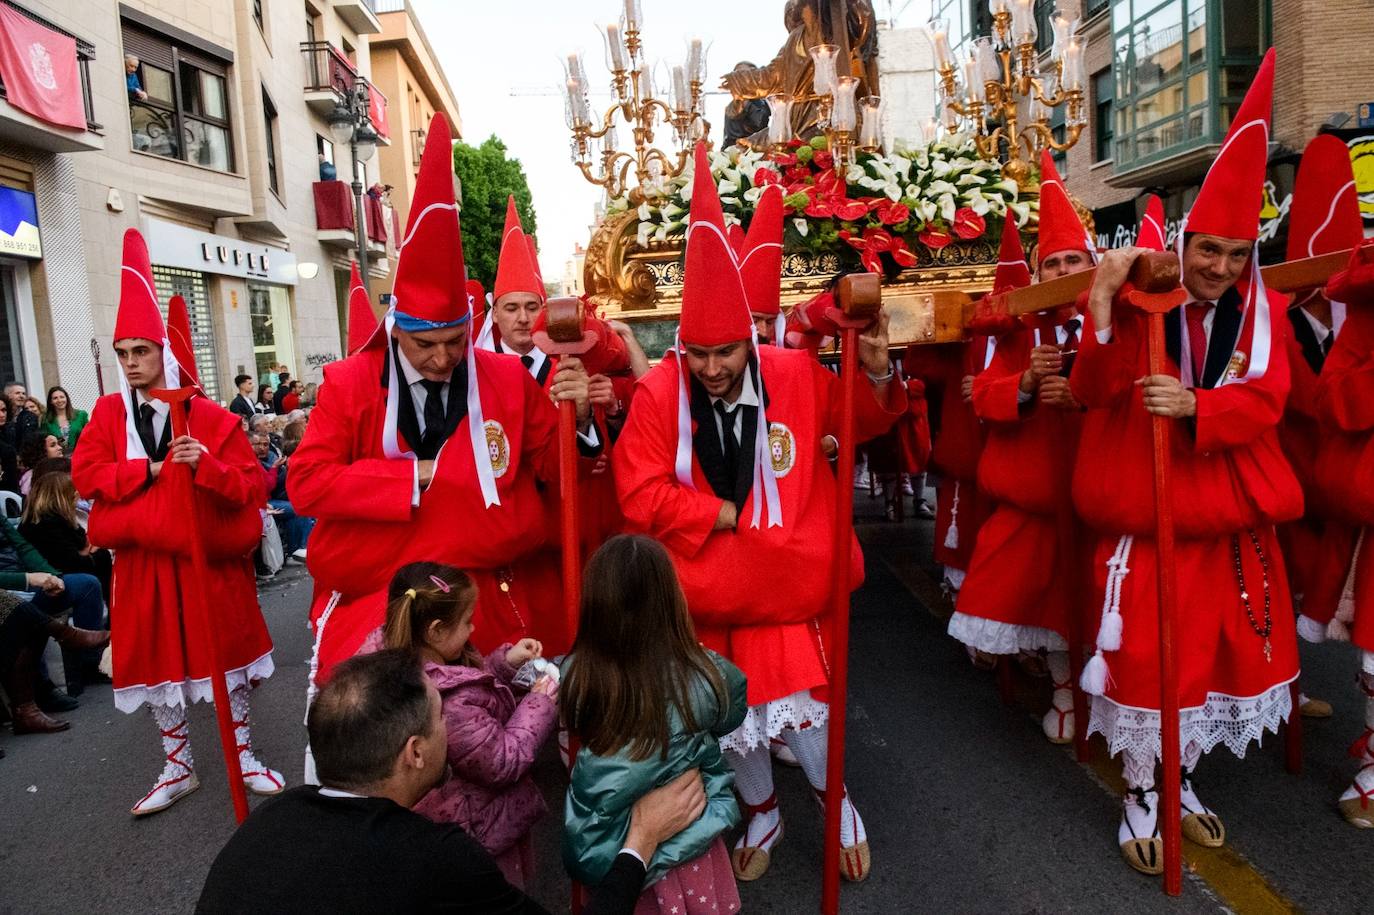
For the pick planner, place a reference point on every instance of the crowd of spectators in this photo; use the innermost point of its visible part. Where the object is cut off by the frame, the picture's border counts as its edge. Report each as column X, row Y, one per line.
column 49, row 570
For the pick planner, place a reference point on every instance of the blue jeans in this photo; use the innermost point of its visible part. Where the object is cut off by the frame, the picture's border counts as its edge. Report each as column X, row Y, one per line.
column 81, row 594
column 295, row 529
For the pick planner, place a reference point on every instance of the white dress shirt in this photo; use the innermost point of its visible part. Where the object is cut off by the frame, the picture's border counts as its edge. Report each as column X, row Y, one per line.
column 748, row 397
column 161, row 409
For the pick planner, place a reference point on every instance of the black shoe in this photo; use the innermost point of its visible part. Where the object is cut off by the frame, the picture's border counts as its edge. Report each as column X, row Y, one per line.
column 57, row 701
column 93, row 675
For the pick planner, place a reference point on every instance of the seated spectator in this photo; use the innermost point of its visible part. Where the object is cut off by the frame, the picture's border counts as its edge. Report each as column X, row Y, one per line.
column 49, row 522
column 279, row 398
column 352, row 844
column 19, row 421
column 263, row 423
column 242, row 404
column 309, row 394
column 295, row 529
column 24, row 632
column 62, row 419
column 264, row 404
column 36, row 447
column 9, row 455
column 24, row 571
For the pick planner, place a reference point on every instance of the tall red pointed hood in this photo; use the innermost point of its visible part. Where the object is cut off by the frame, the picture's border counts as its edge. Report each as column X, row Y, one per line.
column 1012, row 270
column 1151, row 234
column 1060, row 227
column 715, row 306
column 760, row 261
column 362, row 320
column 179, row 334
column 138, row 316
column 1325, row 213
column 1228, row 204
column 430, row 289
column 517, row 270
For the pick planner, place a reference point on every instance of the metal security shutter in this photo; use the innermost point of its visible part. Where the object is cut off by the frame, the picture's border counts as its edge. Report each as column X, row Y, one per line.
column 190, row 285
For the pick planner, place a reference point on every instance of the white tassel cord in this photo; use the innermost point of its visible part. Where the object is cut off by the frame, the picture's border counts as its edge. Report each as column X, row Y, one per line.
column 1109, row 633
column 952, row 535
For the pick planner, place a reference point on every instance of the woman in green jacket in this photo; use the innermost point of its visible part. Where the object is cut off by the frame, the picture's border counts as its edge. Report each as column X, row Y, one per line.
column 646, row 703
column 61, row 420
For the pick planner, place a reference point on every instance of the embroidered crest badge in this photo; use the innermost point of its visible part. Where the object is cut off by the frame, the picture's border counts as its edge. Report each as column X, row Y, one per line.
column 498, row 448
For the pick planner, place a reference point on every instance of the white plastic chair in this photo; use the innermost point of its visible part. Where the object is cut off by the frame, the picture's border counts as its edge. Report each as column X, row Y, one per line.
column 13, row 504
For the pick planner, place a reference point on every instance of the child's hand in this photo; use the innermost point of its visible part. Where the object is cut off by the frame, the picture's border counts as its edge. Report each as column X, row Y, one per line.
column 545, row 686
column 524, row 650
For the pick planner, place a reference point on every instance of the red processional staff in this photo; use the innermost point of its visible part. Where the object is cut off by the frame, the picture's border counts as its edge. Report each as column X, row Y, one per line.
column 859, row 297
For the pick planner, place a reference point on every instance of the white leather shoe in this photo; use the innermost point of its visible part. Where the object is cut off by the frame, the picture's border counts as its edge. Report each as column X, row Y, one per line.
column 175, row 782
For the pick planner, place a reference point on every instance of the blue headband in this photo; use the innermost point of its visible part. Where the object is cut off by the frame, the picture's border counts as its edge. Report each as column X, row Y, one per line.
column 413, row 325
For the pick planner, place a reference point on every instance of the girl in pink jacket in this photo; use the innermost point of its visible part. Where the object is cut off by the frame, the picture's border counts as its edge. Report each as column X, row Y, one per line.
column 494, row 734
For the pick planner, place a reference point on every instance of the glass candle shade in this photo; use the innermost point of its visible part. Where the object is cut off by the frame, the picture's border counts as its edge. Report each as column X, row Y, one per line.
column 1023, row 30
column 870, row 122
column 615, row 48
column 779, row 119
column 844, row 114
column 938, row 30
column 824, row 56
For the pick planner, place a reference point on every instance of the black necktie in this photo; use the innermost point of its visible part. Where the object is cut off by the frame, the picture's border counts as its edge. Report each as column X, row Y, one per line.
column 1070, row 346
column 1325, row 345
column 145, row 430
column 528, row 361
column 434, row 411
column 729, row 444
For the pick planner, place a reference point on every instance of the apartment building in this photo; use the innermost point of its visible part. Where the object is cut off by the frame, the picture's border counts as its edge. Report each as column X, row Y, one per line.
column 1165, row 77
column 210, row 131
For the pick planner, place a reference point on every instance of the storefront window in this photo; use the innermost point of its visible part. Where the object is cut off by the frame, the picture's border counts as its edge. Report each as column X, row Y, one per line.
column 269, row 309
column 192, row 287
column 181, row 110
column 11, row 347
column 1166, row 58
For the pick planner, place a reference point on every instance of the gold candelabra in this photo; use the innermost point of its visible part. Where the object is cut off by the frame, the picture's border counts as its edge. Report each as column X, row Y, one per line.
column 596, row 150
column 849, row 123
column 1000, row 79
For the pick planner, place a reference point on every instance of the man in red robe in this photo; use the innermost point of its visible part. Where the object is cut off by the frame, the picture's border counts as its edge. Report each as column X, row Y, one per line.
column 139, row 510
column 1319, row 547
column 422, row 448
column 1021, row 592
column 723, row 459
column 1344, row 478
column 1223, row 392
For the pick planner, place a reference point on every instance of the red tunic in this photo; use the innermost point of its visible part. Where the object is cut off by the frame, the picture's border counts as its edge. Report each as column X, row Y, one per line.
column 1344, row 471
column 1019, row 577
column 1230, row 479
column 956, row 448
column 366, row 526
column 1317, row 547
column 156, row 658
column 771, row 630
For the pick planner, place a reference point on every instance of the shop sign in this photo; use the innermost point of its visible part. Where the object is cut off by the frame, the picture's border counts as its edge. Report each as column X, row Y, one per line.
column 171, row 245
column 19, row 224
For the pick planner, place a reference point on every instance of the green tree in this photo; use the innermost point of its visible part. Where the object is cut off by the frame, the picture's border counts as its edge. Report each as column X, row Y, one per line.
column 489, row 176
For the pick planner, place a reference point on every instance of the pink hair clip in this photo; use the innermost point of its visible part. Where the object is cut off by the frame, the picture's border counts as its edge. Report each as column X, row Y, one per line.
column 441, row 584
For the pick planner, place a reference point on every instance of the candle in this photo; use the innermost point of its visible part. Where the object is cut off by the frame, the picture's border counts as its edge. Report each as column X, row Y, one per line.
column 1062, row 26
column 575, row 70
column 843, row 114
column 682, row 98
column 974, row 90
column 779, row 119
column 578, row 110
column 871, row 126
column 1023, row 21
column 823, row 80
column 615, row 49
column 696, row 71
column 930, row 130
column 939, row 41
column 1073, row 64
column 989, row 64
column 633, row 15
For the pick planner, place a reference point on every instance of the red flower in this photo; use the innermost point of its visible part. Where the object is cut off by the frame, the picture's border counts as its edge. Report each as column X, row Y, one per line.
column 901, row 253
column 877, row 240
column 854, row 241
column 934, row 238
column 849, row 210
column 820, row 208
column 765, row 176
column 968, row 224
column 871, row 261
column 889, row 213
column 795, row 143
column 784, row 159
column 829, row 184
column 823, row 159
column 797, row 173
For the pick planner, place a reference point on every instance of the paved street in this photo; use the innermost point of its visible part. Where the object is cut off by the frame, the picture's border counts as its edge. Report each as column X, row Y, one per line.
column 968, row 808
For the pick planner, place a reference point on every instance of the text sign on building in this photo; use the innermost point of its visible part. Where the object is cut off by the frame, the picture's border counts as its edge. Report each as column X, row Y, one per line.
column 171, row 245
column 19, row 224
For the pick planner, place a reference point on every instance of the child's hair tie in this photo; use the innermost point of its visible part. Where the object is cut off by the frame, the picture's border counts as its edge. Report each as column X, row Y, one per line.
column 440, row 584
column 410, row 593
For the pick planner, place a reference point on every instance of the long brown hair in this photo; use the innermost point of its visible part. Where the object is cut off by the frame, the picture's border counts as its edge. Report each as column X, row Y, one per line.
column 423, row 593
column 636, row 655
column 51, row 494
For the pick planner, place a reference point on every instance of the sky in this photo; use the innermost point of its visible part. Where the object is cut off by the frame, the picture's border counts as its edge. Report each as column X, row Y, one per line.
column 490, row 49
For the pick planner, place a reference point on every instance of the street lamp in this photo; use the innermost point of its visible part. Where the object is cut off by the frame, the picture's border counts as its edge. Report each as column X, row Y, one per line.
column 349, row 123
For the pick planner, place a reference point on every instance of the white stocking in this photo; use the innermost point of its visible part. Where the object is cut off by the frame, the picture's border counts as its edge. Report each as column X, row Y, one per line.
column 1363, row 785
column 811, row 748
column 754, row 782
column 176, row 740
column 1058, row 663
column 1139, row 773
column 254, row 772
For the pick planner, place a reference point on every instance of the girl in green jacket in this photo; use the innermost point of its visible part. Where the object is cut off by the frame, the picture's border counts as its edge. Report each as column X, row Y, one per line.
column 62, row 419
column 646, row 703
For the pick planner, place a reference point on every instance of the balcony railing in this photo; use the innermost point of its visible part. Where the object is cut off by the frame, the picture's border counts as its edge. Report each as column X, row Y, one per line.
column 334, row 211
column 85, row 53
column 327, row 69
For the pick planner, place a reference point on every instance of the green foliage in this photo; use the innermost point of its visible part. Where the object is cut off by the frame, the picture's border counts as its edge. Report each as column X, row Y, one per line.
column 489, row 176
